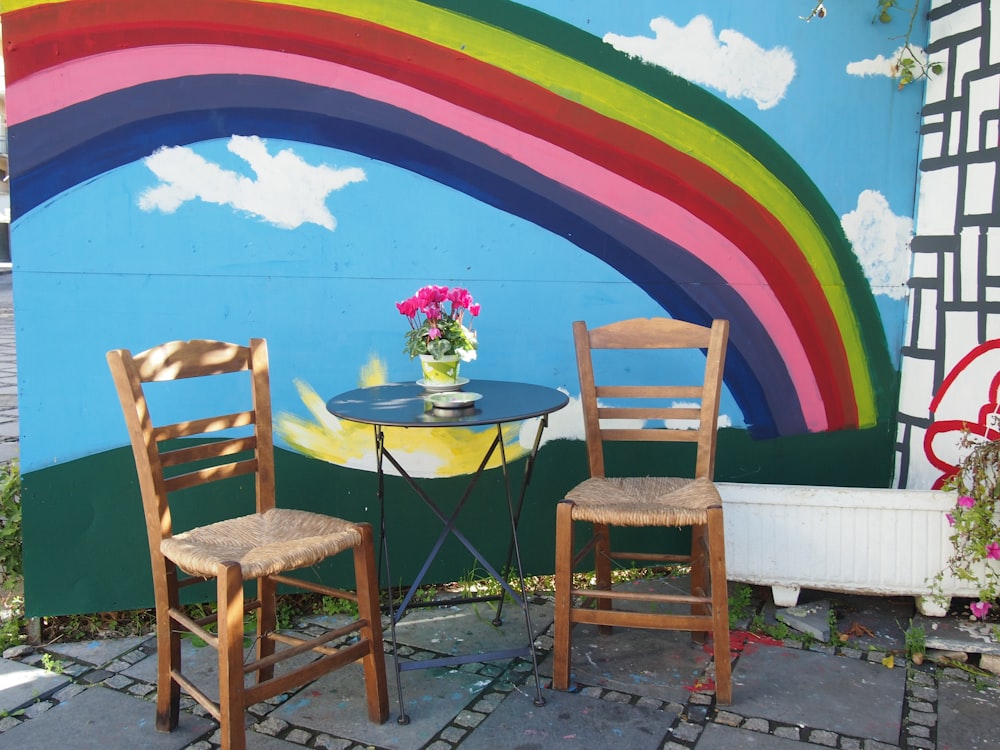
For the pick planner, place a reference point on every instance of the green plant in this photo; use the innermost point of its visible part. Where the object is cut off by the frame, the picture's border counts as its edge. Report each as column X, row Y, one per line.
column 11, row 553
column 52, row 664
column 11, row 631
column 285, row 613
column 915, row 642
column 779, row 630
column 437, row 329
column 74, row 628
column 911, row 64
column 197, row 612
column 975, row 523
column 740, row 604
column 477, row 582
column 332, row 605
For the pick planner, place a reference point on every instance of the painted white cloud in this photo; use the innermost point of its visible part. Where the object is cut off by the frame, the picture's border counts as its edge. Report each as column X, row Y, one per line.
column 731, row 63
column 287, row 192
column 692, row 424
column 565, row 424
column 882, row 242
column 882, row 66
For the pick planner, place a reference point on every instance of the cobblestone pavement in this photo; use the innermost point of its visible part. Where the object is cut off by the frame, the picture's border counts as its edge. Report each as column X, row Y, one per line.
column 634, row 689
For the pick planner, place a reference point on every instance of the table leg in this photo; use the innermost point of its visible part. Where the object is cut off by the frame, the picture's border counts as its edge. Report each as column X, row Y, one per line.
column 528, row 466
column 380, row 491
column 520, row 597
column 449, row 528
column 515, row 517
column 448, row 521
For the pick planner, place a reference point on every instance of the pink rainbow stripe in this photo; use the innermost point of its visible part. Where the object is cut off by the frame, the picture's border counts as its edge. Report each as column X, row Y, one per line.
column 64, row 85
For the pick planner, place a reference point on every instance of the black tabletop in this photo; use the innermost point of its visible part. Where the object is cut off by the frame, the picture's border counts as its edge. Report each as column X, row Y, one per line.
column 407, row 404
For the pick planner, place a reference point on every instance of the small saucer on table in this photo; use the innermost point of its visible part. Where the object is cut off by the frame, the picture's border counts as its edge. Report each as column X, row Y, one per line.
column 442, row 387
column 452, row 400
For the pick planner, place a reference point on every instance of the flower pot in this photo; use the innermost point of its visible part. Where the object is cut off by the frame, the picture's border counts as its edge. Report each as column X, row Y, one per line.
column 443, row 371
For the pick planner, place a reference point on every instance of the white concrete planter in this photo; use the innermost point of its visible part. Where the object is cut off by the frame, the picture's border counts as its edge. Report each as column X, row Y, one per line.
column 854, row 540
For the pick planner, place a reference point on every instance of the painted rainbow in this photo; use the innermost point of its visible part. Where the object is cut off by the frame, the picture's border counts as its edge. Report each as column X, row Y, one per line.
column 661, row 180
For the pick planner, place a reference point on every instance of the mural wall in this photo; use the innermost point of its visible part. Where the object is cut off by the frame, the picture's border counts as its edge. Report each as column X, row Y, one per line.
column 950, row 354
column 290, row 169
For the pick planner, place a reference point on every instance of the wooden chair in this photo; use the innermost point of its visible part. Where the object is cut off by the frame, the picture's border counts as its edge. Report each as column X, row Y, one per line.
column 646, row 501
column 262, row 546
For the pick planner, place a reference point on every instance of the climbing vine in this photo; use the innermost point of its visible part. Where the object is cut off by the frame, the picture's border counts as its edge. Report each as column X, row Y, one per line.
column 911, row 63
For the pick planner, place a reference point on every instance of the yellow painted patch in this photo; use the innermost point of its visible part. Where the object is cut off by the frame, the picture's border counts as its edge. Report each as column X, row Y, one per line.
column 424, row 452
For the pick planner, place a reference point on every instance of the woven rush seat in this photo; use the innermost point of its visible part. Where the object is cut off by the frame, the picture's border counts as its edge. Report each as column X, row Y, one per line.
column 644, row 501
column 262, row 544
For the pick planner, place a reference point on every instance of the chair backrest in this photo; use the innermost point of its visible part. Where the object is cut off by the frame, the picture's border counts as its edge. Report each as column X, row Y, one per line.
column 657, row 406
column 164, row 466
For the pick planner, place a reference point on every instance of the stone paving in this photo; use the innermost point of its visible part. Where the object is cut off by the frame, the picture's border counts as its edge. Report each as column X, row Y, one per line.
column 633, row 689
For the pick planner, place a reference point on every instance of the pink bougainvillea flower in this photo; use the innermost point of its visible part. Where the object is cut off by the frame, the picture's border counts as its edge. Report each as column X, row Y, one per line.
column 951, row 519
column 965, row 501
column 407, row 307
column 980, row 609
column 993, row 551
column 433, row 294
column 460, row 297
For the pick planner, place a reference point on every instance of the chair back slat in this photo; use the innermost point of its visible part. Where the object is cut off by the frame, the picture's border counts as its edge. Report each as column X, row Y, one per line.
column 202, row 426
column 209, row 474
column 648, row 391
column 664, row 411
column 207, row 451
column 178, row 360
column 648, row 435
column 188, row 448
column 648, row 413
column 650, row 333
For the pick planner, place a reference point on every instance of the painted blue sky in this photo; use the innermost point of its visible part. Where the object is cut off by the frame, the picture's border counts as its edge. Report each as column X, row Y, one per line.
column 208, row 264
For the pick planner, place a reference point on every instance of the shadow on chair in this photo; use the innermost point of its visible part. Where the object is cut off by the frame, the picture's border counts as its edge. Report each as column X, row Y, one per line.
column 171, row 458
column 646, row 413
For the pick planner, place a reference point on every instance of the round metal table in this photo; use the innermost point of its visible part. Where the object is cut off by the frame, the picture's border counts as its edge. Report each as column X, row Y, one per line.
column 406, row 405
column 410, row 405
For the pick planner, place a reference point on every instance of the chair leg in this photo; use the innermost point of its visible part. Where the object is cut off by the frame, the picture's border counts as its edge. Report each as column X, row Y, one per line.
column 699, row 563
column 700, row 575
column 267, row 622
column 720, row 607
column 373, row 663
column 168, row 654
column 168, row 648
column 231, row 708
column 564, row 581
column 602, row 569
